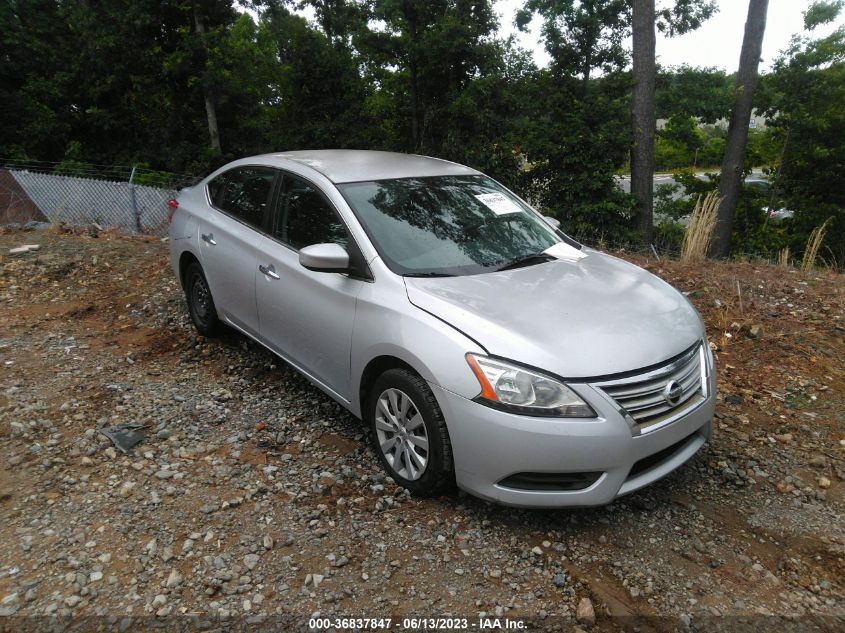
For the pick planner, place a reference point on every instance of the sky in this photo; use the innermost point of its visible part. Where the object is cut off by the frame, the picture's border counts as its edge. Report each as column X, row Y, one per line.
column 717, row 43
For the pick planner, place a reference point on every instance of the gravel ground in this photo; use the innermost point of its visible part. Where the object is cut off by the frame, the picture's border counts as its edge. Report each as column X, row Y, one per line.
column 255, row 496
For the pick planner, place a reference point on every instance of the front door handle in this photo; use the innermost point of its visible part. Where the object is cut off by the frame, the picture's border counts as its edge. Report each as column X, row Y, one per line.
column 209, row 239
column 270, row 271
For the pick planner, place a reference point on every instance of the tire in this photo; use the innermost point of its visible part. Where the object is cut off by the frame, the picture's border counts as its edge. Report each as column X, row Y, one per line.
column 426, row 438
column 200, row 302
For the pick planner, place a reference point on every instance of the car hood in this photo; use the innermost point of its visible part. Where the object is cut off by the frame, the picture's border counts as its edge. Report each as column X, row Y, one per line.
column 577, row 319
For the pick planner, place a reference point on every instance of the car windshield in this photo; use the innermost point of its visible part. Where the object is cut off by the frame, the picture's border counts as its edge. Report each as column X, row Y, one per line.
column 449, row 225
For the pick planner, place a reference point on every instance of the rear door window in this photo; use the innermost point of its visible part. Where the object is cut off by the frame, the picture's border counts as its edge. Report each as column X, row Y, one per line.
column 243, row 192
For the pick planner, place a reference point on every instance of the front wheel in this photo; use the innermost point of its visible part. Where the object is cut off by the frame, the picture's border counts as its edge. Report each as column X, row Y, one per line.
column 200, row 302
column 409, row 433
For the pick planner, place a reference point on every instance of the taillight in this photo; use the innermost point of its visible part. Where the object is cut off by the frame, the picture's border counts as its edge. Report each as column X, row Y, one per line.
column 172, row 204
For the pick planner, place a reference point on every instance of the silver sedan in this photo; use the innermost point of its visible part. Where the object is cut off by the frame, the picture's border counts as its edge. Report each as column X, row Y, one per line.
column 482, row 346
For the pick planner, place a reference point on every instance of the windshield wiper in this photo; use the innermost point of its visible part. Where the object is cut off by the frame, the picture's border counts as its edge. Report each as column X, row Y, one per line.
column 526, row 260
column 428, row 274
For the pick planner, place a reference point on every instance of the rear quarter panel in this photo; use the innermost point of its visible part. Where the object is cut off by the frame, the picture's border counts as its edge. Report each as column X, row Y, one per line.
column 184, row 233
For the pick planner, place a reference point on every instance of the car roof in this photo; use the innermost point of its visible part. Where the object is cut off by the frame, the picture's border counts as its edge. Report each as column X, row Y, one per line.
column 355, row 165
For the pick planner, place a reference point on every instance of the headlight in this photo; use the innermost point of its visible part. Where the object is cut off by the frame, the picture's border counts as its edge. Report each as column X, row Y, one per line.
column 520, row 390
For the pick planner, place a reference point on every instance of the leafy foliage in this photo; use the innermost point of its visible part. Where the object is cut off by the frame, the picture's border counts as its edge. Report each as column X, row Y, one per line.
column 126, row 82
column 684, row 16
column 580, row 133
column 702, row 93
column 753, row 232
column 806, row 99
column 582, row 36
column 582, row 139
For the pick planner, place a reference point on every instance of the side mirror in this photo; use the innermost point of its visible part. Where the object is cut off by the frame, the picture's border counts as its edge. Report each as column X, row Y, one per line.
column 552, row 222
column 325, row 258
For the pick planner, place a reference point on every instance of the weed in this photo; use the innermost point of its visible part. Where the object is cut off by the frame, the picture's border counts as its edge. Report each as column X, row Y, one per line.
column 813, row 244
column 702, row 221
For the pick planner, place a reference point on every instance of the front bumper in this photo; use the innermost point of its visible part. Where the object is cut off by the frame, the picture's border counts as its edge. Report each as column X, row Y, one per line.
column 489, row 445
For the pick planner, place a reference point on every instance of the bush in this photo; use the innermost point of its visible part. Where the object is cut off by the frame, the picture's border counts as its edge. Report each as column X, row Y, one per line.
column 753, row 233
column 669, row 237
column 670, row 154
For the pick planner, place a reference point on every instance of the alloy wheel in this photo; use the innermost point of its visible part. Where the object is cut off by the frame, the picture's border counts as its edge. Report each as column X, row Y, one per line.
column 401, row 434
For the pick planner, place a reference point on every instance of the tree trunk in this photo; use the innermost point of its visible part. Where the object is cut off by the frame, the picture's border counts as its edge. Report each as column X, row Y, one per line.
column 211, row 115
column 732, row 166
column 415, row 87
column 642, row 115
column 586, row 69
column 415, row 108
column 208, row 96
column 591, row 36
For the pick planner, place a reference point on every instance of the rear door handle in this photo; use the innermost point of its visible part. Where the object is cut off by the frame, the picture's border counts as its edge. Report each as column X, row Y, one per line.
column 270, row 271
column 209, row 239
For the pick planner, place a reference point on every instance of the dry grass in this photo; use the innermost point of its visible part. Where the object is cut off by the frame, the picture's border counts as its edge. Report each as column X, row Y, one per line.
column 813, row 244
column 702, row 221
column 601, row 244
column 783, row 257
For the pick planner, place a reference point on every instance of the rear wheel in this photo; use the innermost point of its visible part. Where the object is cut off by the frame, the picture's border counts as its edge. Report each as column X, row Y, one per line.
column 200, row 302
column 409, row 433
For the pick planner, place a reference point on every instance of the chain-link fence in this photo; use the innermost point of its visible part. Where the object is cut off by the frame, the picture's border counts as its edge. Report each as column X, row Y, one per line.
column 131, row 199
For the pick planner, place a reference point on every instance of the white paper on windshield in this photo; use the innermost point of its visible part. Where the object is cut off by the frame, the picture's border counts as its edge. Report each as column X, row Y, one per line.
column 562, row 250
column 498, row 203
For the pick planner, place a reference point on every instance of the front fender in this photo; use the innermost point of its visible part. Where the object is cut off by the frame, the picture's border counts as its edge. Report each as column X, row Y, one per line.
column 433, row 348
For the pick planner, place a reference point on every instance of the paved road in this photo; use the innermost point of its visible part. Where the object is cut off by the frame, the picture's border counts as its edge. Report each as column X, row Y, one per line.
column 659, row 179
column 667, row 179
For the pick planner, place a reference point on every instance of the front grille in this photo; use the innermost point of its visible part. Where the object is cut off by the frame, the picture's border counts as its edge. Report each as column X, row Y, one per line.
column 646, row 398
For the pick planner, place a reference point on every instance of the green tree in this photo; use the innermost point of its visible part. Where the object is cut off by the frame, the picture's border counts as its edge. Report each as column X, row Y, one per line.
column 35, row 79
column 806, row 100
column 580, row 134
column 426, row 55
column 574, row 144
column 488, row 120
column 339, row 20
column 584, row 38
column 122, row 79
column 703, row 93
column 317, row 94
column 679, row 143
